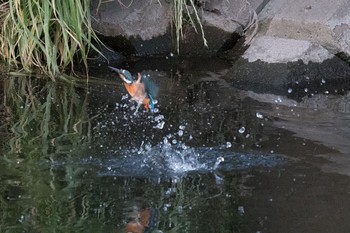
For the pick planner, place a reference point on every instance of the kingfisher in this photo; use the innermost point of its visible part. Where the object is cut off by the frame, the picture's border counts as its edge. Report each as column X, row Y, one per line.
column 143, row 221
column 142, row 90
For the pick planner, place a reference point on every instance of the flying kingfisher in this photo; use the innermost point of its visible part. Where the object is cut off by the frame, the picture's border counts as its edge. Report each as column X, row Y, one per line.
column 142, row 90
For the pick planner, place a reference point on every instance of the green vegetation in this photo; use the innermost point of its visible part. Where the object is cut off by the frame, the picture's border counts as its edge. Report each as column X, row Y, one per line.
column 186, row 10
column 47, row 35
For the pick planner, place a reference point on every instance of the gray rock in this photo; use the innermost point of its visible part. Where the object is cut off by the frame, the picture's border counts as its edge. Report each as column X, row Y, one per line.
column 322, row 23
column 278, row 78
column 146, row 25
column 279, row 50
column 144, row 19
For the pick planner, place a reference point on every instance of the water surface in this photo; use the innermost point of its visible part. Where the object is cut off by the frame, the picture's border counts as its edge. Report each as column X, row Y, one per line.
column 211, row 158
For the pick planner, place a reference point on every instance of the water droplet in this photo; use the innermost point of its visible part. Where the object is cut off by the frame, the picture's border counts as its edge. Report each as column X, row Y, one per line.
column 148, row 147
column 160, row 125
column 326, row 92
column 228, row 144
column 180, row 133
column 182, row 127
column 323, row 81
column 174, row 141
column 158, row 118
column 171, row 54
column 218, row 161
column 290, row 90
column 242, row 129
column 109, row 168
column 165, row 141
column 259, row 115
column 306, row 90
column 241, row 210
column 21, row 219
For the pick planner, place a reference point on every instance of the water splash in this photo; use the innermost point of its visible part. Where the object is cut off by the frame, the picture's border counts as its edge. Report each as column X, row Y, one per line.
column 167, row 160
column 218, row 161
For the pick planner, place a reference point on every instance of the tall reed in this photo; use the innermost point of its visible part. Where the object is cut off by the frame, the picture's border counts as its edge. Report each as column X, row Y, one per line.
column 47, row 35
column 186, row 9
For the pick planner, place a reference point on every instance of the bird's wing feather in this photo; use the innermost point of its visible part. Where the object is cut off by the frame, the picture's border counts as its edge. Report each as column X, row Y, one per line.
column 151, row 87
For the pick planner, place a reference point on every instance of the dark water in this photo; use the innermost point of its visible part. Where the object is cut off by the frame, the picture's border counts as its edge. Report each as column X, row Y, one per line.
column 211, row 158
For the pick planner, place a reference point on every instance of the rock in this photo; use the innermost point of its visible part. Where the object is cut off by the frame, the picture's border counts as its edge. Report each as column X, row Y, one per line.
column 143, row 19
column 279, row 50
column 139, row 28
column 322, row 23
column 292, row 79
column 145, row 27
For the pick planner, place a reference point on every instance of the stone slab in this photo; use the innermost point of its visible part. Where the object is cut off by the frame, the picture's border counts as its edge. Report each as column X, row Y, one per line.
column 321, row 22
column 280, row 50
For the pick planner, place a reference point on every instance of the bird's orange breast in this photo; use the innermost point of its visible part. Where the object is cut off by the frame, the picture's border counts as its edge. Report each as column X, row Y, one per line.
column 138, row 93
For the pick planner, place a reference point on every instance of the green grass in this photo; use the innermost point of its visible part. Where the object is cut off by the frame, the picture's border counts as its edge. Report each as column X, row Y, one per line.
column 182, row 10
column 48, row 36
column 45, row 35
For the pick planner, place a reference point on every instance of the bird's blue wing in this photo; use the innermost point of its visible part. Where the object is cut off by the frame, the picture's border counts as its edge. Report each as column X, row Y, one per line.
column 151, row 87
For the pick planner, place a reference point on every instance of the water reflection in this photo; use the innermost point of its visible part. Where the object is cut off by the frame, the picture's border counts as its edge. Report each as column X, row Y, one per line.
column 42, row 120
column 41, row 115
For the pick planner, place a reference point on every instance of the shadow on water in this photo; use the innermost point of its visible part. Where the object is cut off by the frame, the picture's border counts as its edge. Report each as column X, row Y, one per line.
column 76, row 159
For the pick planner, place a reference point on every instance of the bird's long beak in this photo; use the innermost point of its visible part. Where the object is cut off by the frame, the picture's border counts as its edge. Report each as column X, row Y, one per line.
column 121, row 74
column 115, row 69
